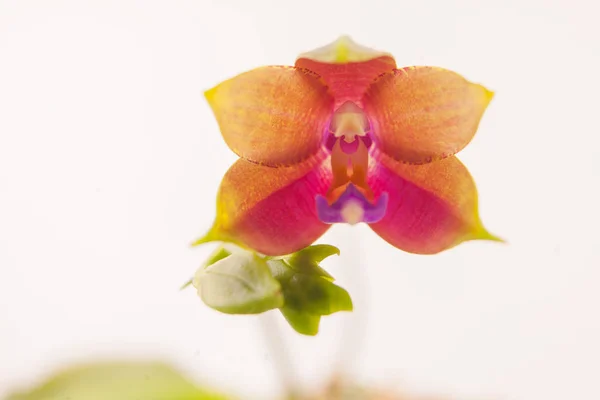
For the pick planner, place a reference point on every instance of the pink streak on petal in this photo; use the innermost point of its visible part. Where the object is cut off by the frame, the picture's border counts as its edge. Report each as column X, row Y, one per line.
column 431, row 207
column 286, row 220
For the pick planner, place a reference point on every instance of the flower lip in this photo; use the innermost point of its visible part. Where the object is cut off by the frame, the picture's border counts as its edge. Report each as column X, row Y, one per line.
column 351, row 207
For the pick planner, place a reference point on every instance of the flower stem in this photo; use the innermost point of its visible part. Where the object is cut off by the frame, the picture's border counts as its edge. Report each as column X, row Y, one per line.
column 281, row 358
column 355, row 325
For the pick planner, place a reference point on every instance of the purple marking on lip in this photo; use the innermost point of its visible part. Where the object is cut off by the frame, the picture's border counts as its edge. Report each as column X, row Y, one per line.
column 331, row 214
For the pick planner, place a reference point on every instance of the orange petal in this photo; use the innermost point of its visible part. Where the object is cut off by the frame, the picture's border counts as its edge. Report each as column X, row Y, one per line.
column 272, row 115
column 270, row 210
column 347, row 68
column 431, row 207
column 423, row 114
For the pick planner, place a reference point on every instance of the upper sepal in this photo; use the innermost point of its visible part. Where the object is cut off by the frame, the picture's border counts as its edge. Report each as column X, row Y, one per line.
column 343, row 50
column 347, row 68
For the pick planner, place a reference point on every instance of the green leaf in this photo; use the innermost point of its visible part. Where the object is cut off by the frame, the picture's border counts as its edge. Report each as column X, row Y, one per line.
column 302, row 322
column 246, row 283
column 187, row 284
column 308, row 289
column 307, row 260
column 118, row 381
column 317, row 252
column 239, row 284
column 315, row 295
column 219, row 254
column 280, row 270
column 307, row 298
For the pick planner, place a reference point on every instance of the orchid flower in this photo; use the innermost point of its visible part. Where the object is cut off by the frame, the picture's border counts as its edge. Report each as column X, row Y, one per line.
column 345, row 136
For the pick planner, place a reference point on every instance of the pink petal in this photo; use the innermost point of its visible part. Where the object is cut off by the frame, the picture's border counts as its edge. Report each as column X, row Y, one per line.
column 270, row 210
column 431, row 207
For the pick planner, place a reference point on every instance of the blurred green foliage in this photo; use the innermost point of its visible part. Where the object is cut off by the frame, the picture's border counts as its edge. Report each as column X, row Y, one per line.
column 119, row 381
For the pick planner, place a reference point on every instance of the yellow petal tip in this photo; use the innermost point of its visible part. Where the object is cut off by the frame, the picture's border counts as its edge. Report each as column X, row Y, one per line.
column 486, row 94
column 483, row 234
column 343, row 50
column 211, row 236
column 209, row 94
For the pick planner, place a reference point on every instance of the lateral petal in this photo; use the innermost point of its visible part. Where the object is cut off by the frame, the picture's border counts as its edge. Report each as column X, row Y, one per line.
column 272, row 115
column 423, row 114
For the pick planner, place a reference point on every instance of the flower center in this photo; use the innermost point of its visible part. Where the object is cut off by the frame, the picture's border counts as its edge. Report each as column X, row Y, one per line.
column 349, row 121
column 349, row 150
column 349, row 198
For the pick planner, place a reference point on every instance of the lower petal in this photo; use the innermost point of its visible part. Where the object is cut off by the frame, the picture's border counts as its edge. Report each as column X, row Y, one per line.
column 431, row 207
column 270, row 210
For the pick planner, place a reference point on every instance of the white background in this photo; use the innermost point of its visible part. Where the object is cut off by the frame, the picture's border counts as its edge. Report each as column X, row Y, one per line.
column 110, row 160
